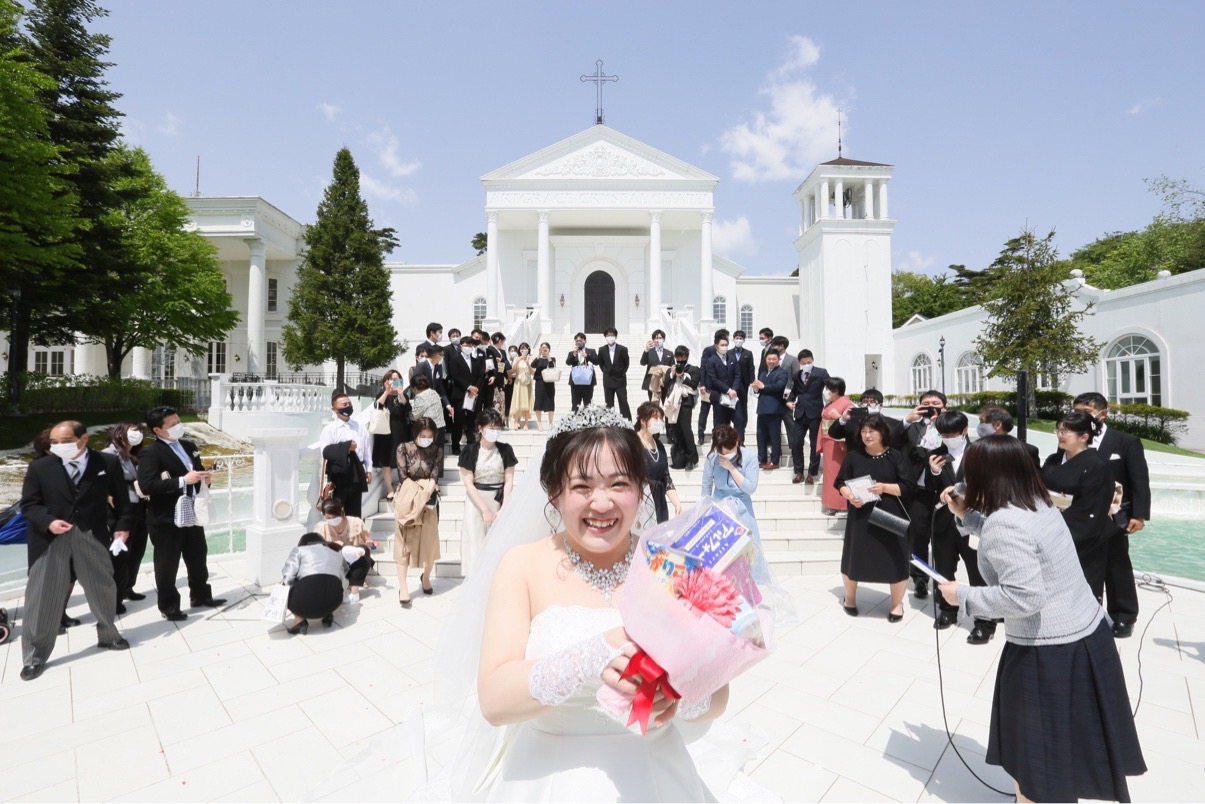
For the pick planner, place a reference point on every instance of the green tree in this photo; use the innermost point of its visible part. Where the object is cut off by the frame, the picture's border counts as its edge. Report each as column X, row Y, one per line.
column 930, row 296
column 1182, row 201
column 37, row 202
column 975, row 286
column 340, row 308
column 1032, row 321
column 480, row 242
column 181, row 300
column 1121, row 259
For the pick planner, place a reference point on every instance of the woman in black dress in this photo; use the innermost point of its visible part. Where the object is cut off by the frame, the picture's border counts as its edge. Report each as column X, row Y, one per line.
column 545, row 391
column 384, row 447
column 650, row 423
column 869, row 553
column 1080, row 473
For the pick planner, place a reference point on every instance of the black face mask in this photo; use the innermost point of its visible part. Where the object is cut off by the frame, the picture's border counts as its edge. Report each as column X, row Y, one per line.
column 680, row 363
column 581, row 344
column 346, row 411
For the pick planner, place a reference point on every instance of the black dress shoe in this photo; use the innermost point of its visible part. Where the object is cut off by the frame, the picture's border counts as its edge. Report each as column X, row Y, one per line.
column 701, row 441
column 31, row 671
column 130, row 594
column 922, row 589
column 328, row 620
column 175, row 616
column 69, row 622
column 980, row 635
column 798, row 478
column 121, row 607
column 852, row 611
column 62, row 630
column 1123, row 630
column 945, row 620
column 427, row 589
column 894, row 618
column 302, row 627
column 213, row 602
column 405, row 603
column 121, row 643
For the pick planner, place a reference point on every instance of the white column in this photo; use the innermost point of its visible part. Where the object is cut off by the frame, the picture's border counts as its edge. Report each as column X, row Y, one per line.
column 824, row 199
column 840, row 196
column 493, row 282
column 883, row 201
column 141, row 368
column 653, row 302
column 274, row 526
column 706, row 322
column 869, row 196
column 543, row 271
column 817, row 206
column 257, row 285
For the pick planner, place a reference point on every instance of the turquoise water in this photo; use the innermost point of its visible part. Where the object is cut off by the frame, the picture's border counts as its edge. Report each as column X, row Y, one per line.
column 1172, row 546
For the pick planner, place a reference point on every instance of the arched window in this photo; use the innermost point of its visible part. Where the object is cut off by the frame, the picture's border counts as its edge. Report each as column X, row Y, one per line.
column 746, row 319
column 922, row 373
column 719, row 309
column 1132, row 369
column 968, row 374
column 478, row 312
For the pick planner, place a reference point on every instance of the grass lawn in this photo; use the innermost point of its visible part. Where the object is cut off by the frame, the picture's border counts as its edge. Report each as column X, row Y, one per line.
column 19, row 431
column 1044, row 426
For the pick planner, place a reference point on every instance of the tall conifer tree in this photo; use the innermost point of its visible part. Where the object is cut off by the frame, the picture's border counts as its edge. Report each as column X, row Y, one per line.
column 340, row 308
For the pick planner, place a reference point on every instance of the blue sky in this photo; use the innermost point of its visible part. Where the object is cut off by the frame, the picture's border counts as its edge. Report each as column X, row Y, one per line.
column 997, row 116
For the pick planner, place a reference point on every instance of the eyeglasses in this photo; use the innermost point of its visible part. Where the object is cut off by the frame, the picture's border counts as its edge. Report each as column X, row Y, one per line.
column 1064, row 431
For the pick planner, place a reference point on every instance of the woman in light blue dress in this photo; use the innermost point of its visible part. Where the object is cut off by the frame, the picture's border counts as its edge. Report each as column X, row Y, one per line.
column 730, row 472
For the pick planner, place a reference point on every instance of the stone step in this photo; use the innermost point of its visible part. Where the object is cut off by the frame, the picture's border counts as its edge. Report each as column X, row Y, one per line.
column 767, row 500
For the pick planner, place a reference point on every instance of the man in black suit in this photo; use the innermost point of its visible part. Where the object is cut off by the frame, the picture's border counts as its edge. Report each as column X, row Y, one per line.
column 806, row 402
column 995, row 420
column 770, row 386
column 655, row 354
column 765, row 338
column 744, row 363
column 496, row 366
column 704, row 395
column 453, row 347
column 614, row 362
column 849, row 426
column 681, row 434
column 1127, row 458
column 920, row 426
column 722, row 378
column 435, row 331
column 581, row 393
column 66, row 500
column 466, row 378
column 169, row 468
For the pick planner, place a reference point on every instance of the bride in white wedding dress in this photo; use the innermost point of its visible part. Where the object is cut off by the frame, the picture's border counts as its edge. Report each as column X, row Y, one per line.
column 551, row 638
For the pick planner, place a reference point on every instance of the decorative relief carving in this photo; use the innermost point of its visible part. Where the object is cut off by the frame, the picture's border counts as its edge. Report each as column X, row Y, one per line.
column 622, row 199
column 600, row 162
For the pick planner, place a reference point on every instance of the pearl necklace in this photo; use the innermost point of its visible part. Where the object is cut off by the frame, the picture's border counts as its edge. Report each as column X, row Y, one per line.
column 654, row 451
column 603, row 581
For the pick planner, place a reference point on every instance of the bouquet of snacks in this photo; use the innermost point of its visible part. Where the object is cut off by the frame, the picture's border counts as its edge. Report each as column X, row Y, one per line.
column 692, row 606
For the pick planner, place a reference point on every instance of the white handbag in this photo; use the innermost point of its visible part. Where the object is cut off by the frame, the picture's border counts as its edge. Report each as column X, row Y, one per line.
column 192, row 510
column 551, row 375
column 378, row 421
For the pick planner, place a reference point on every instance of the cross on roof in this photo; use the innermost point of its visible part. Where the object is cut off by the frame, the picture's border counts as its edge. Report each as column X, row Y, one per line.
column 598, row 78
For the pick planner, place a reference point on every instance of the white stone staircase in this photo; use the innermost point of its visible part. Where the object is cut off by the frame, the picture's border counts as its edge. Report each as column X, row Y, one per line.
column 797, row 538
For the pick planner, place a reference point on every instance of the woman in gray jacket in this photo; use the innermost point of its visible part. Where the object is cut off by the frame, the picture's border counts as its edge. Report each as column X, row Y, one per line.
column 314, row 572
column 1061, row 722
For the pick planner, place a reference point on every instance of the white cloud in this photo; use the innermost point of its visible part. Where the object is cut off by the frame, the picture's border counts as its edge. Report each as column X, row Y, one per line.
column 1142, row 105
column 386, row 145
column 798, row 130
column 386, row 191
column 330, row 111
column 732, row 238
column 169, row 125
column 133, row 130
column 914, row 262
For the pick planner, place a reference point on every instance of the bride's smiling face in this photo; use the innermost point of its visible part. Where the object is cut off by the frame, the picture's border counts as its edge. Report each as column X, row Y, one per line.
column 598, row 505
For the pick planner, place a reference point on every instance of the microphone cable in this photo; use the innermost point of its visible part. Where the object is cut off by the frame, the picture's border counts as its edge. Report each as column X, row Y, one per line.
column 1152, row 583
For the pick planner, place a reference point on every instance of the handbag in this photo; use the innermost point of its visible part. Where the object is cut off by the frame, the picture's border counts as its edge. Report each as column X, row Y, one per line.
column 192, row 510
column 551, row 375
column 277, row 605
column 378, row 421
column 889, row 521
column 581, row 375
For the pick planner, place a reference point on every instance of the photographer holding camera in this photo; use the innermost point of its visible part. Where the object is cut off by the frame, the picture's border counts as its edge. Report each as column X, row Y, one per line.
column 920, row 427
column 678, row 394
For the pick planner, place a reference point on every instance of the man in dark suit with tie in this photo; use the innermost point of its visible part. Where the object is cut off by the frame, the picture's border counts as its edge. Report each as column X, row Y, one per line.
column 744, row 362
column 704, row 395
column 466, row 378
column 770, row 385
column 169, row 468
column 613, row 360
column 806, row 403
column 765, row 337
column 655, row 354
column 66, row 501
column 721, row 377
column 1127, row 458
column 581, row 393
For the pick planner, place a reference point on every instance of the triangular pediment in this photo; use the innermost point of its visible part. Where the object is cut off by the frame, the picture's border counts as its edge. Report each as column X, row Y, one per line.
column 598, row 154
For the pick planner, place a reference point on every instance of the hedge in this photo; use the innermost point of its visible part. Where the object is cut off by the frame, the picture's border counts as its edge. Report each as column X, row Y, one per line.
column 83, row 393
column 1152, row 422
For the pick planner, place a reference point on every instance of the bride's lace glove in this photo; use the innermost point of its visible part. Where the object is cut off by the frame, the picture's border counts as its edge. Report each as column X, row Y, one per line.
column 555, row 677
column 696, row 710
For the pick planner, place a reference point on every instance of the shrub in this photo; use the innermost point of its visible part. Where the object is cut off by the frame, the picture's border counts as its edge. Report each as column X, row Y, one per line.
column 1050, row 404
column 1151, row 422
column 85, row 393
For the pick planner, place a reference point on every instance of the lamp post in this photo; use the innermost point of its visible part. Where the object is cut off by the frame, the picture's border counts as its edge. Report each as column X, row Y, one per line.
column 11, row 393
column 941, row 361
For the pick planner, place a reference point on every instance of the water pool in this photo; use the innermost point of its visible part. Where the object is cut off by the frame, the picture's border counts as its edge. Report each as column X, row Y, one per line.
column 1172, row 546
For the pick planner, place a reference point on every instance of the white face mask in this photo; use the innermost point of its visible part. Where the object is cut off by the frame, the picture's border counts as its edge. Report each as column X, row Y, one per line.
column 828, row 396
column 491, row 433
column 872, row 409
column 738, row 343
column 721, row 350
column 65, row 452
column 610, row 340
column 424, row 442
column 656, row 426
column 764, row 343
column 657, row 343
column 955, row 444
column 467, row 351
column 335, row 521
column 728, row 455
column 175, row 432
column 134, row 437
column 985, row 429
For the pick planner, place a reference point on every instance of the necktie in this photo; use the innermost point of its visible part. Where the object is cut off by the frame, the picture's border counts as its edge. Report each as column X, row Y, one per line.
column 73, row 470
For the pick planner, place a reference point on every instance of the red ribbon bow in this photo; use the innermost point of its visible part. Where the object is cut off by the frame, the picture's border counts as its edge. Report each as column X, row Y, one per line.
column 652, row 677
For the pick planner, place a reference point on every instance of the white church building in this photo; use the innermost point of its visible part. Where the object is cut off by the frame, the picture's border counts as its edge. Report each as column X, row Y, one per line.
column 602, row 230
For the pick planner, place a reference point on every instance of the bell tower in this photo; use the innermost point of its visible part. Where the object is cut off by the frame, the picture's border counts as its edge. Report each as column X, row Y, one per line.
column 844, row 249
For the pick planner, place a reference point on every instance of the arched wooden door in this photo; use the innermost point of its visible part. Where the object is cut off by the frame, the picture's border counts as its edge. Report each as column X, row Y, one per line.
column 599, row 302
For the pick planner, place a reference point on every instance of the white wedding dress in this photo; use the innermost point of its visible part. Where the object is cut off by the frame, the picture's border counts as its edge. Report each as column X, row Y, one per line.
column 576, row 752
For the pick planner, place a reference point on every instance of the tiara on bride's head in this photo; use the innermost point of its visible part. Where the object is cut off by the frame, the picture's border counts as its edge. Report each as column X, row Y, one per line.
column 588, row 416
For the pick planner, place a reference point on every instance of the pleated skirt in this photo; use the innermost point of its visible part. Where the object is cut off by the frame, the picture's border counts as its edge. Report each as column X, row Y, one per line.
column 1061, row 722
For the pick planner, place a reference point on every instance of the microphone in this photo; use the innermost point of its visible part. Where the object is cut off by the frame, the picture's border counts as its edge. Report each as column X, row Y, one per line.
column 959, row 490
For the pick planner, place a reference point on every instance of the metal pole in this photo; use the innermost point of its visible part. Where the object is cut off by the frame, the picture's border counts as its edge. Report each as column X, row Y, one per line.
column 1022, row 403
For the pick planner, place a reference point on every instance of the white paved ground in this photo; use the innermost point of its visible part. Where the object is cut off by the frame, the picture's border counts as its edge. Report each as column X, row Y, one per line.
column 220, row 708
